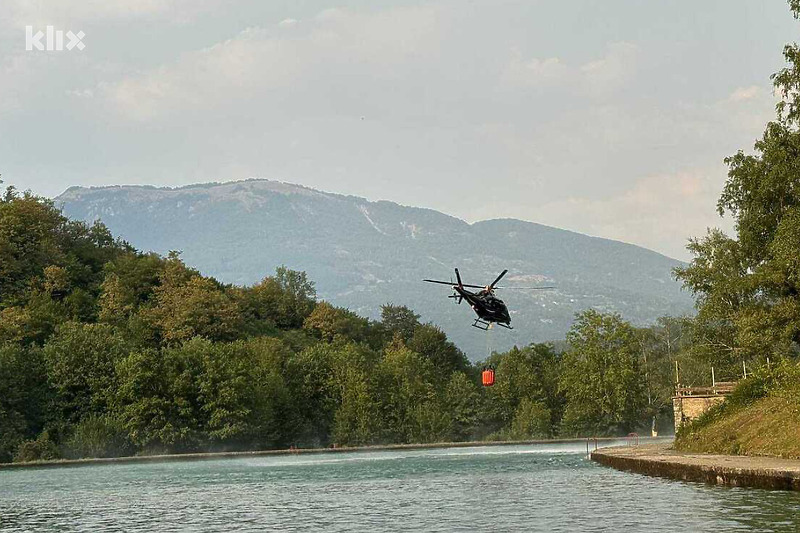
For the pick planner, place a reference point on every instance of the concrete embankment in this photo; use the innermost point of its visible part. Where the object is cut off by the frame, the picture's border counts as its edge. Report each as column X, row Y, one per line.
column 731, row 470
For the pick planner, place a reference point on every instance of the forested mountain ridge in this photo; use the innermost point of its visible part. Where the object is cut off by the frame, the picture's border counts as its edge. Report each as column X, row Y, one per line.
column 363, row 254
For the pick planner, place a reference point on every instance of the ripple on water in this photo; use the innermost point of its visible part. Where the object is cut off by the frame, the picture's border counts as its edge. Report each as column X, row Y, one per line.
column 534, row 488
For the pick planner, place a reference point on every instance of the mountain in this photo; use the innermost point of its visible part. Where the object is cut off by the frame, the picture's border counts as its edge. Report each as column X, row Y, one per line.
column 363, row 254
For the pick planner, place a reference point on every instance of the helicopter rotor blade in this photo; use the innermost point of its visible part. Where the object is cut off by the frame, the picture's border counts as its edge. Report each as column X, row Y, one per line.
column 503, row 273
column 526, row 288
column 451, row 284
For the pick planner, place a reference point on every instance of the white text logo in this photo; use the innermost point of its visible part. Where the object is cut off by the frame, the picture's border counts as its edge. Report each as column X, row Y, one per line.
column 52, row 39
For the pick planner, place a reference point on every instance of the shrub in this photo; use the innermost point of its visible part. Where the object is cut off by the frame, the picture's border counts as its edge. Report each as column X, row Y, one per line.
column 40, row 449
column 98, row 436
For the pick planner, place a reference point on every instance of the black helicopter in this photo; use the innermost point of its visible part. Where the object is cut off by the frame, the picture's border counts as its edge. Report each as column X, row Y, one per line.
column 489, row 308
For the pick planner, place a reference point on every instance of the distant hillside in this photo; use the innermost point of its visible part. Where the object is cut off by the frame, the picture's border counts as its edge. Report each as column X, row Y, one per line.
column 362, row 254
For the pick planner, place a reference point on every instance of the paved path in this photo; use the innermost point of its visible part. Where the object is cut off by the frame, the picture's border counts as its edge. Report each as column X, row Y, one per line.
column 733, row 470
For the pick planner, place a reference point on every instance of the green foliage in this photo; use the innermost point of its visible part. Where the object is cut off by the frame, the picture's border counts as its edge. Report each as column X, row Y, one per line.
column 760, row 417
column 405, row 378
column 308, row 377
column 35, row 236
column 81, row 360
column 748, row 287
column 660, row 347
column 601, row 378
column 146, row 404
column 105, row 351
column 328, row 322
column 98, row 436
column 188, row 305
column 531, row 421
column 431, row 343
column 463, row 403
column 40, row 449
column 285, row 299
column 357, row 420
column 129, row 284
column 527, row 374
column 23, row 397
column 399, row 319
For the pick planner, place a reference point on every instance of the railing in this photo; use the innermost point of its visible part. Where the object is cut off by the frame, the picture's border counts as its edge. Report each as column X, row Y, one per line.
column 720, row 388
column 589, row 439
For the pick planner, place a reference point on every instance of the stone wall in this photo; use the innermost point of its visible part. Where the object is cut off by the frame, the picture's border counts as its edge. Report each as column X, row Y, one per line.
column 687, row 408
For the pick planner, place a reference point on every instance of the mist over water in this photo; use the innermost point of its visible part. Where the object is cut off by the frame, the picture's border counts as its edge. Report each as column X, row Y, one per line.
column 498, row 488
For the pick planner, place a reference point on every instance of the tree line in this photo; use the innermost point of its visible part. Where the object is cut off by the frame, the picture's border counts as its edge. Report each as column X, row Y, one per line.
column 106, row 351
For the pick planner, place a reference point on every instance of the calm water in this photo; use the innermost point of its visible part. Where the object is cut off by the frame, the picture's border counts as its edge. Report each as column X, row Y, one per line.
column 534, row 488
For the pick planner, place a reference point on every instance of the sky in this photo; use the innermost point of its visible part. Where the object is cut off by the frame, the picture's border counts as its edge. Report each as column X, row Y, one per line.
column 609, row 118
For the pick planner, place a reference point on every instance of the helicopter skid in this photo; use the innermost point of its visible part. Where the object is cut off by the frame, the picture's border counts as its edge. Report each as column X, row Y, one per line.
column 482, row 324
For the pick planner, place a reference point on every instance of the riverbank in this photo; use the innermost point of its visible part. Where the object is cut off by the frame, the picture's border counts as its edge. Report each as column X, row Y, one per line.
column 660, row 459
column 590, row 444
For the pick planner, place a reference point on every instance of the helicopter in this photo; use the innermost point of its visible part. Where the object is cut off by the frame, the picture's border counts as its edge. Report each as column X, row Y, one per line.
column 489, row 308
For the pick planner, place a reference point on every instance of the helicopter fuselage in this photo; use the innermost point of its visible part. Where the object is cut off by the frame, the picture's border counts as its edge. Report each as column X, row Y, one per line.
column 489, row 308
column 486, row 305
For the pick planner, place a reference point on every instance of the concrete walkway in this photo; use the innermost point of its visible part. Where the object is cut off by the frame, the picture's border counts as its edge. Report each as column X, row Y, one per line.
column 732, row 470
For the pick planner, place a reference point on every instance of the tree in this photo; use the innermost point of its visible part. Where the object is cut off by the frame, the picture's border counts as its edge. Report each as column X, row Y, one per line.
column 431, row 343
column 24, row 397
column 314, row 396
column 462, row 400
column 143, row 401
column 158, row 398
column 408, row 395
column 748, row 287
column 243, row 397
column 601, row 378
column 34, row 236
column 29, row 242
column 285, row 299
column 671, row 340
column 329, row 322
column 188, row 305
column 531, row 374
column 129, row 284
column 81, row 360
column 399, row 319
column 272, row 414
column 357, row 419
column 531, row 421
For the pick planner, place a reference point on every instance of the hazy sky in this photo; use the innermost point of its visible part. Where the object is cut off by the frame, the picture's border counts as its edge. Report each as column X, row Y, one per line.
column 606, row 117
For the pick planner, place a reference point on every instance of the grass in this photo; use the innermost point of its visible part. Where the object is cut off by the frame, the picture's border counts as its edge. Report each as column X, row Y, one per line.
column 762, row 417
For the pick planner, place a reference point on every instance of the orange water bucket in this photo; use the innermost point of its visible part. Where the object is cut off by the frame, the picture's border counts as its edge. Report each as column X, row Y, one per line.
column 487, row 377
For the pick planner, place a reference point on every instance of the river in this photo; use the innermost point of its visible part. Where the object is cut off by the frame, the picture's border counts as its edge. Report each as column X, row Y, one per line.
column 497, row 488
